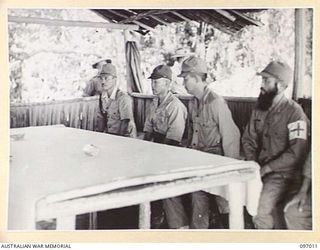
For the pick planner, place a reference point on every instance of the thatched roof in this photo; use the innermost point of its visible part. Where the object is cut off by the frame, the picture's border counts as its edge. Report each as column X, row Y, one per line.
column 226, row 20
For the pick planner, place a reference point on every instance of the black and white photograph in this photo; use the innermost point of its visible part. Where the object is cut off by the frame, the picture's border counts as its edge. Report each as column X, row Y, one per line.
column 160, row 119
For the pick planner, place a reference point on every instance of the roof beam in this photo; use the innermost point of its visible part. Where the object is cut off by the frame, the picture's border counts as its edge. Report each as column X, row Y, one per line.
column 143, row 15
column 181, row 16
column 208, row 19
column 226, row 15
column 159, row 20
column 214, row 16
column 69, row 23
column 136, row 22
column 248, row 19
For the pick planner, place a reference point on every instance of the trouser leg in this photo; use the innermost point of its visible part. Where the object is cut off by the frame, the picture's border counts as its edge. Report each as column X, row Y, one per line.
column 157, row 214
column 200, row 207
column 175, row 212
column 275, row 187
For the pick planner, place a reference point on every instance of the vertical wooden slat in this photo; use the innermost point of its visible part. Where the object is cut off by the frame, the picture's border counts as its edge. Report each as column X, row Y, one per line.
column 138, row 110
column 147, row 106
column 72, row 115
column 85, row 114
column 42, row 114
column 49, row 110
column 93, row 109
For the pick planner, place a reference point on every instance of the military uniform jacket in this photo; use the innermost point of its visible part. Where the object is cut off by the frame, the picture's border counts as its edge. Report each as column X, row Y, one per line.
column 277, row 137
column 115, row 108
column 168, row 118
column 213, row 127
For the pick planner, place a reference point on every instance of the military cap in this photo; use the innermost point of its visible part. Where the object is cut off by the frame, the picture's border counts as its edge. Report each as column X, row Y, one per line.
column 161, row 71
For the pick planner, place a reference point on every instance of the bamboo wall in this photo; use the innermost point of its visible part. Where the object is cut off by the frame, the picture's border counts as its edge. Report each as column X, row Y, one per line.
column 81, row 112
column 76, row 113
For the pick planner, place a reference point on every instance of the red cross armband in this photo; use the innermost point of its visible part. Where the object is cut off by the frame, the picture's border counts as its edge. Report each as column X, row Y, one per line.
column 297, row 130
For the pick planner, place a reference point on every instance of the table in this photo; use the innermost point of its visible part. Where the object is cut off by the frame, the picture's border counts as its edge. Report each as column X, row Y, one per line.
column 51, row 176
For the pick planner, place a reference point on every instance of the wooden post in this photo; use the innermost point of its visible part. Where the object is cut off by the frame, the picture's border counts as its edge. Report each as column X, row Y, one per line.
column 144, row 215
column 236, row 220
column 93, row 220
column 300, row 43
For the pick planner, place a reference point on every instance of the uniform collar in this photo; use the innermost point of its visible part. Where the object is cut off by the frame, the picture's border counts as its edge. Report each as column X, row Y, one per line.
column 114, row 93
column 278, row 102
column 205, row 94
column 166, row 100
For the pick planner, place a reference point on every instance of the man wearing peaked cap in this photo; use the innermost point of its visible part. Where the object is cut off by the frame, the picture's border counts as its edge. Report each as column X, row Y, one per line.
column 164, row 124
column 214, row 131
column 115, row 105
column 279, row 70
column 276, row 137
column 98, row 65
column 94, row 88
column 161, row 71
column 166, row 121
column 182, row 53
column 193, row 65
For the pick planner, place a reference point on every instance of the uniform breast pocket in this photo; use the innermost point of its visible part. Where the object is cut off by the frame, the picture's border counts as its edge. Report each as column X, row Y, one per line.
column 208, row 125
column 115, row 115
column 258, row 125
column 160, row 121
column 280, row 134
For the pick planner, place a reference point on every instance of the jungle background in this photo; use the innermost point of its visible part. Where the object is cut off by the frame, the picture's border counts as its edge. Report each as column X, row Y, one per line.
column 54, row 63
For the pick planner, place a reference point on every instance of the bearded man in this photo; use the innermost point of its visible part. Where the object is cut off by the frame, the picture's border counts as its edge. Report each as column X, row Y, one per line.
column 276, row 137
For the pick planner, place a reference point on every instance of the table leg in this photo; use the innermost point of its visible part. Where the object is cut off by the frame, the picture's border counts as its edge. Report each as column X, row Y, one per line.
column 236, row 220
column 66, row 223
column 93, row 224
column 144, row 215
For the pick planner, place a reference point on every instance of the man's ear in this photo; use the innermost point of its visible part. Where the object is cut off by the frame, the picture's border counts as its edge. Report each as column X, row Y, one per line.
column 281, row 85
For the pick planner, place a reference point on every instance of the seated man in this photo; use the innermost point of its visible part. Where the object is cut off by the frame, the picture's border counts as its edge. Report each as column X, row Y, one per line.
column 213, row 131
column 93, row 86
column 276, row 138
column 117, row 110
column 165, row 124
column 166, row 121
column 115, row 105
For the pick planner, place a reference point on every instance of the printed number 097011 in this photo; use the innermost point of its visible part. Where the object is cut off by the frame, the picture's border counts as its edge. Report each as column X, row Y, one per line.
column 306, row 246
